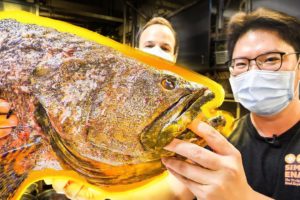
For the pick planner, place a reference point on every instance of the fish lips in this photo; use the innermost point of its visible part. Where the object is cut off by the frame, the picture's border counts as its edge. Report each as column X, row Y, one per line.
column 174, row 120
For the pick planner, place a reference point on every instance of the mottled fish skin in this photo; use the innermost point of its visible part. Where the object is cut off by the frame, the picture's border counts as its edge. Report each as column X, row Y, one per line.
column 90, row 102
column 15, row 165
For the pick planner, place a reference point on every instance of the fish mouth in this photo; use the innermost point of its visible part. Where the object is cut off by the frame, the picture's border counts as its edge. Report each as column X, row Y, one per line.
column 173, row 122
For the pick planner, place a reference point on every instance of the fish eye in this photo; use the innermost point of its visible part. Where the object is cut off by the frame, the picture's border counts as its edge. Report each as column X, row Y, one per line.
column 168, row 83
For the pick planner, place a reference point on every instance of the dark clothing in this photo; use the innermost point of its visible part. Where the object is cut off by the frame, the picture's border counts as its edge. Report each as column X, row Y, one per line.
column 272, row 165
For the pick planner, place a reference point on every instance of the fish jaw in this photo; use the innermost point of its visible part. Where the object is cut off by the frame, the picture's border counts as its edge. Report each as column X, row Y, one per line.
column 157, row 136
column 178, row 126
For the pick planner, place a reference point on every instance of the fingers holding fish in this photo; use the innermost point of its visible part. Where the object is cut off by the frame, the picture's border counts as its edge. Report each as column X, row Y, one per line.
column 187, row 169
column 7, row 119
column 86, row 194
column 72, row 189
column 194, row 187
column 216, row 174
column 214, row 139
column 59, row 185
column 195, row 153
column 11, row 122
column 4, row 106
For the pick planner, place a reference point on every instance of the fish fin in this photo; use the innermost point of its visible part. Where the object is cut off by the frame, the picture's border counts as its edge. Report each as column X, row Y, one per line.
column 15, row 165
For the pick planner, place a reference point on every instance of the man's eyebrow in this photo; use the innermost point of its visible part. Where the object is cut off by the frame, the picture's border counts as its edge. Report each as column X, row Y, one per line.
column 149, row 41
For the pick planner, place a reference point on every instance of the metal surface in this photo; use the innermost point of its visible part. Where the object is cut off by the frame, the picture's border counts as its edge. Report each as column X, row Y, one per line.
column 124, row 23
column 290, row 7
column 97, row 16
column 85, row 14
column 37, row 9
column 182, row 9
column 193, row 25
column 220, row 16
column 137, row 10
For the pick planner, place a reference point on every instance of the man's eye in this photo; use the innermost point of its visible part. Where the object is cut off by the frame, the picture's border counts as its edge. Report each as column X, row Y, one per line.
column 240, row 65
column 166, row 49
column 271, row 59
column 149, row 46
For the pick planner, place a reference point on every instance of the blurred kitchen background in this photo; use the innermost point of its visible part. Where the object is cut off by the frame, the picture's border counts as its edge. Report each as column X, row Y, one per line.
column 200, row 25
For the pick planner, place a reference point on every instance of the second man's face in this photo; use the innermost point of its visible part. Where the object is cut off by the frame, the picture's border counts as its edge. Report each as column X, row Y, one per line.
column 158, row 40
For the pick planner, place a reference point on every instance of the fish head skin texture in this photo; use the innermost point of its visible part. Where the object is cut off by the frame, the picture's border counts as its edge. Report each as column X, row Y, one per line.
column 108, row 108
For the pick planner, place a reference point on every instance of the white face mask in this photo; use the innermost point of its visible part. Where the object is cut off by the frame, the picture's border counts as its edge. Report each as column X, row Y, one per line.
column 264, row 92
column 159, row 52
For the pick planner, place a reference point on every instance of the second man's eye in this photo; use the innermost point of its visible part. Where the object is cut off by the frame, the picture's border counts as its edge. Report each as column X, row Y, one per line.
column 149, row 46
column 166, row 49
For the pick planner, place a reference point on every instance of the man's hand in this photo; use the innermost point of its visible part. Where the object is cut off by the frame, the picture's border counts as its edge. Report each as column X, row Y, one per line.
column 71, row 189
column 7, row 120
column 168, row 189
column 217, row 174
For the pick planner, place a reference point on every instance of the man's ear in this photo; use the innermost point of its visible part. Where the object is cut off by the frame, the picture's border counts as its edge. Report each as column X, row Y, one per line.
column 175, row 57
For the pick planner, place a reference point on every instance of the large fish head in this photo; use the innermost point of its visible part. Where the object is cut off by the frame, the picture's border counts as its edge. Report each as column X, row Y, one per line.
column 143, row 110
column 113, row 109
column 109, row 116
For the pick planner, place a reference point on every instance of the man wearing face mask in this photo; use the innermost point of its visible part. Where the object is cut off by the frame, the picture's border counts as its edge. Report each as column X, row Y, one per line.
column 264, row 160
column 159, row 38
column 265, row 80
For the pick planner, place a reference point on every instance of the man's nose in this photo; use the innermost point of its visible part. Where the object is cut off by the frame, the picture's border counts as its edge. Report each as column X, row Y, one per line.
column 253, row 65
column 158, row 47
